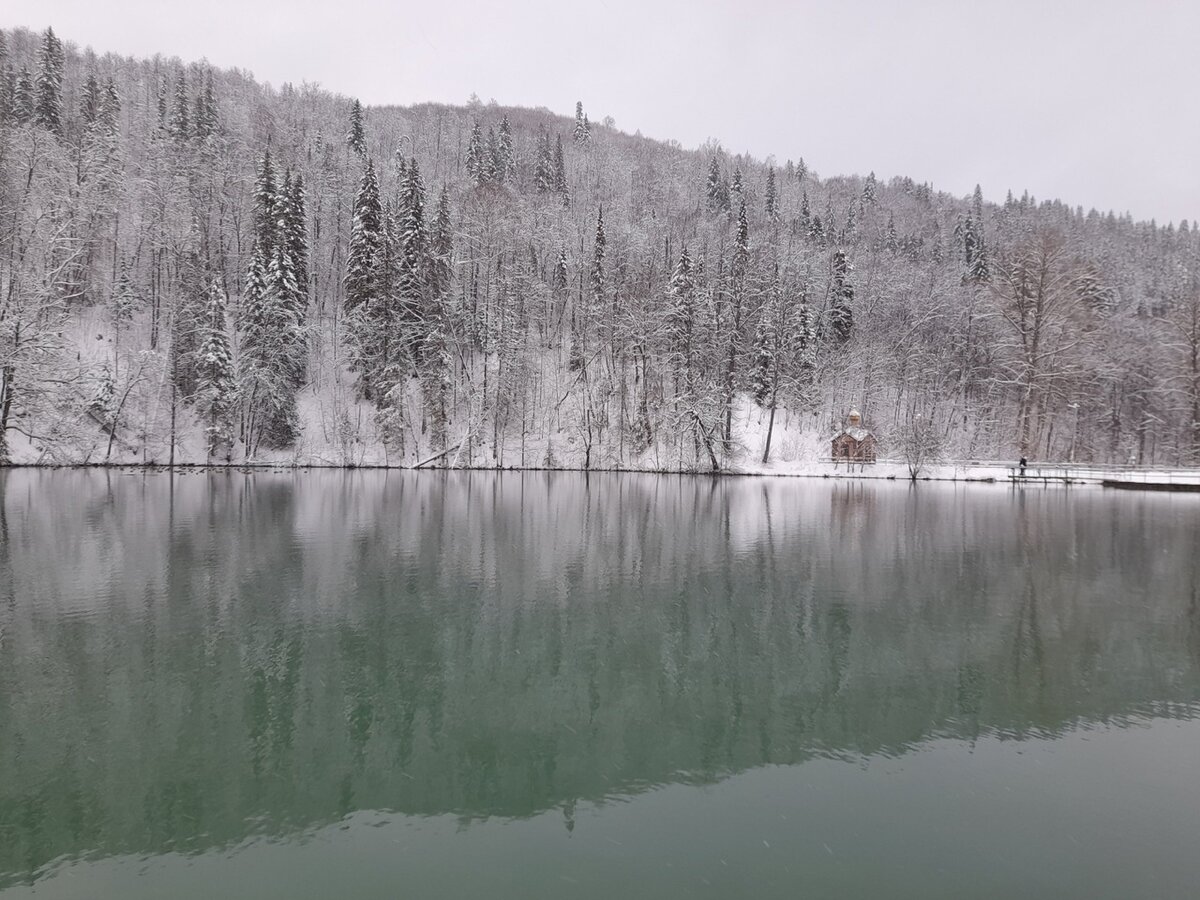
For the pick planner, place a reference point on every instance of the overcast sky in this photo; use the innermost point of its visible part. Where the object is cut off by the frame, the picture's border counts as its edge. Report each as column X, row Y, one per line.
column 1092, row 101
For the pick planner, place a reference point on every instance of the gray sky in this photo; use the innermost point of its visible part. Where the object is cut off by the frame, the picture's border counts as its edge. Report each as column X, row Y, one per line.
column 1092, row 101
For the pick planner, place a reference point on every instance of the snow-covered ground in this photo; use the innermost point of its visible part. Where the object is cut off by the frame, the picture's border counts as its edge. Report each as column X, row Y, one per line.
column 340, row 430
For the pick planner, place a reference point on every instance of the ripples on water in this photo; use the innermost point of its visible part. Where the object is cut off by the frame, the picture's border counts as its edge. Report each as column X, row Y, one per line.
column 231, row 667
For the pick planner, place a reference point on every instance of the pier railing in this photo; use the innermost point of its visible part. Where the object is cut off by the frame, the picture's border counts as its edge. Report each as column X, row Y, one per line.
column 1168, row 477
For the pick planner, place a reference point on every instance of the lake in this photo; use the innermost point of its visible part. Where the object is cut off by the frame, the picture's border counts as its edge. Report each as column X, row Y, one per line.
column 368, row 684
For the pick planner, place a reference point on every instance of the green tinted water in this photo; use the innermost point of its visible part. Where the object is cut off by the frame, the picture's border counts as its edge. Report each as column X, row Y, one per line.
column 367, row 684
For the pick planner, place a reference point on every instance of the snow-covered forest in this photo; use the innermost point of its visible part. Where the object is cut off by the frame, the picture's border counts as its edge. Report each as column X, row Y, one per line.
column 197, row 267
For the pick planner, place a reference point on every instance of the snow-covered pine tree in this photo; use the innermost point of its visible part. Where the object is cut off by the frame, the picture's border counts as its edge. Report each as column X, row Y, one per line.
column 272, row 361
column 766, row 347
column 287, row 305
column 741, row 243
column 841, row 299
column 181, row 128
column 979, row 269
column 369, row 285
column 598, row 252
column 266, row 206
column 869, row 190
column 475, row 154
column 561, row 271
column 435, row 357
column 89, row 101
column 560, row 173
column 772, row 200
column 802, row 339
column 164, row 112
column 23, row 98
column 508, row 160
column 491, row 159
column 295, row 233
column 712, row 185
column 365, row 237
column 356, row 135
column 816, row 231
column 681, row 315
column 8, row 82
column 204, row 113
column 48, row 108
column 543, row 176
column 441, row 249
column 216, row 377
column 412, row 257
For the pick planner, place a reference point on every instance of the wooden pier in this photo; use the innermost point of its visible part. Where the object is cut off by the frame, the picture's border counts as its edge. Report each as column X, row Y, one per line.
column 1121, row 477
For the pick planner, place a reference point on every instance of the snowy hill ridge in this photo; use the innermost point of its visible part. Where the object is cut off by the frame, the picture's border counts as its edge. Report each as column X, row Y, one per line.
column 195, row 267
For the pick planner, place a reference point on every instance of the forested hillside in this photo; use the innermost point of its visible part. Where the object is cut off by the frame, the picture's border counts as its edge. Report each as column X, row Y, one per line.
column 198, row 267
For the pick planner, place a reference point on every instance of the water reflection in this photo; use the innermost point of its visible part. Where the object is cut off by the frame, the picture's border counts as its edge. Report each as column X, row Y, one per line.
column 188, row 661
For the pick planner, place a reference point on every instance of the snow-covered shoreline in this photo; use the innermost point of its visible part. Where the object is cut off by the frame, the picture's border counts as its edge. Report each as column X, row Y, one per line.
column 884, row 470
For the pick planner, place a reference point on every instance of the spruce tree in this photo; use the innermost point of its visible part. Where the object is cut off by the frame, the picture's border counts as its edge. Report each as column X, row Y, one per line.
column 868, row 191
column 287, row 308
column 816, row 231
column 841, row 299
column 766, row 345
column 163, row 107
column 204, row 115
column 212, row 119
column 23, row 98
column 436, row 360
column 295, row 233
column 356, row 136
column 543, row 177
column 266, row 206
column 216, row 380
column 508, row 161
column 441, row 249
column 561, row 271
column 412, row 261
column 712, row 187
column 491, row 159
column 772, row 201
column 741, row 245
column 271, row 362
column 580, row 134
column 475, row 154
column 89, row 101
column 365, row 242
column 250, row 310
column 48, row 108
column 8, row 84
column 598, row 253
column 181, row 128
column 681, row 313
column 5, row 78
column 560, row 174
column 978, row 268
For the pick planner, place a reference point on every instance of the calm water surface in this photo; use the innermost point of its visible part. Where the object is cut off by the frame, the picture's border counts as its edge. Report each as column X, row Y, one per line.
column 378, row 685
